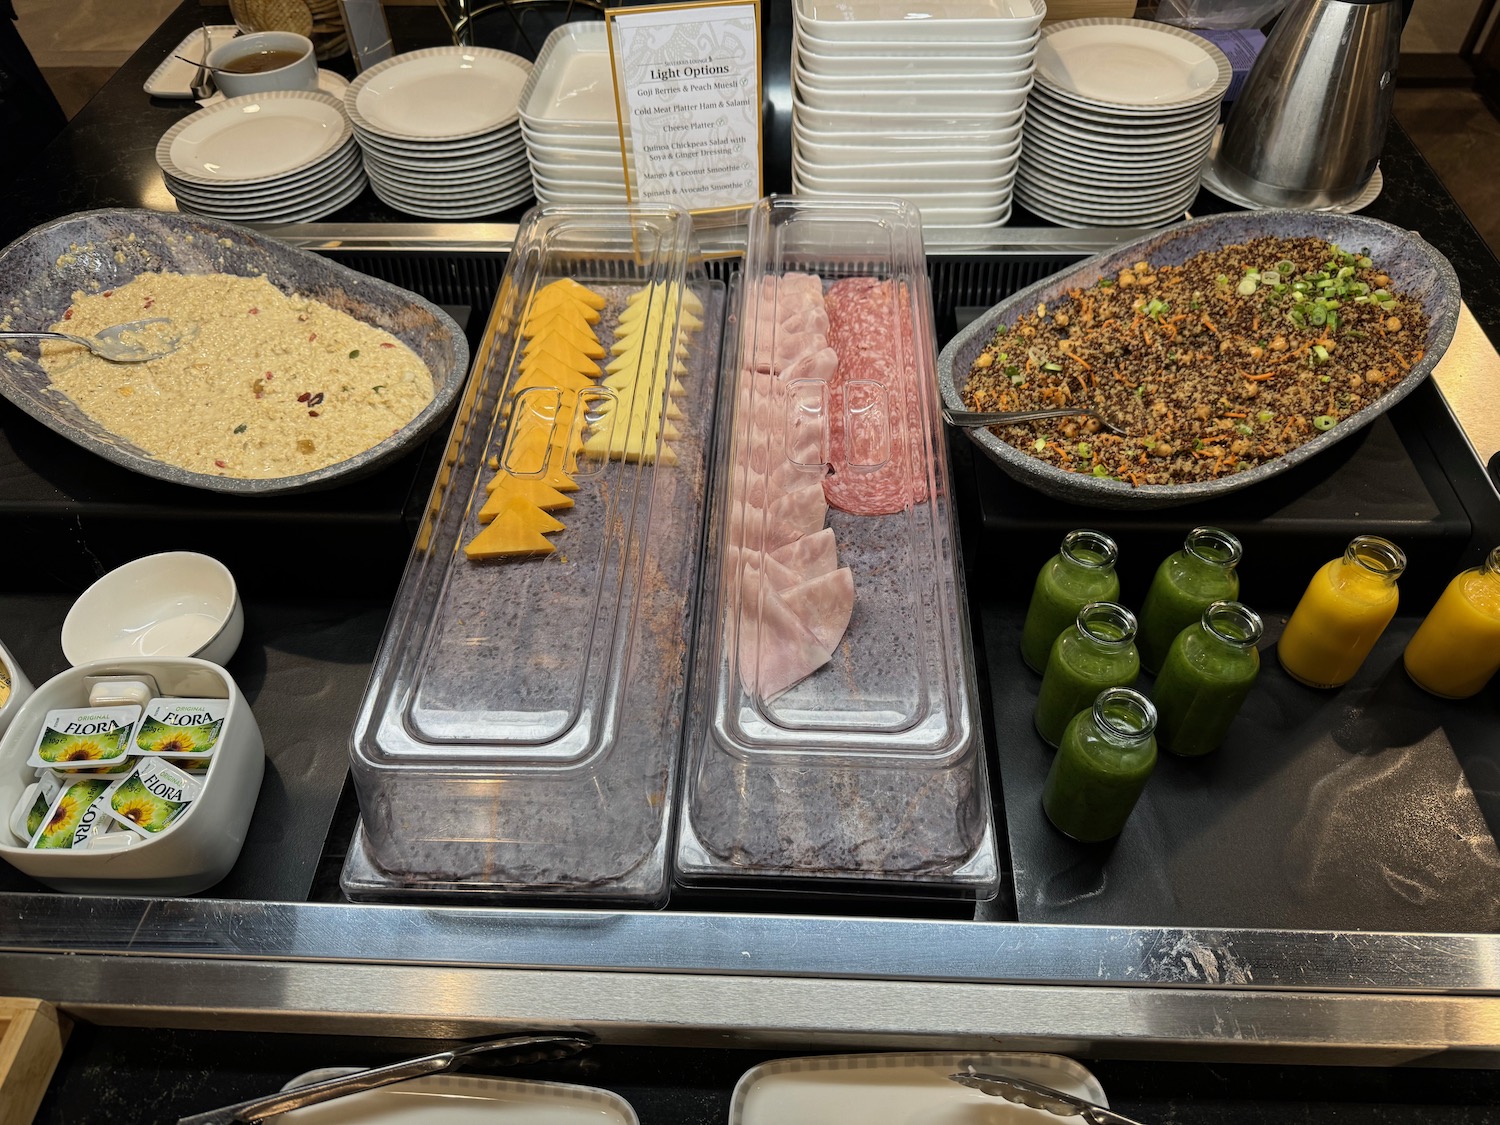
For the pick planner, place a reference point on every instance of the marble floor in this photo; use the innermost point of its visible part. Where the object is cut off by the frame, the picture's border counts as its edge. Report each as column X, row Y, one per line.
column 79, row 44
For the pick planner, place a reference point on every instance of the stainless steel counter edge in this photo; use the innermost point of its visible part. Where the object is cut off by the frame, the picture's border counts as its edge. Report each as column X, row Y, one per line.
column 748, row 945
column 729, row 1011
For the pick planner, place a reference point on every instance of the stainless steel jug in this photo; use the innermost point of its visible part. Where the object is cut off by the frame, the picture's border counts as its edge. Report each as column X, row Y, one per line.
column 1309, row 125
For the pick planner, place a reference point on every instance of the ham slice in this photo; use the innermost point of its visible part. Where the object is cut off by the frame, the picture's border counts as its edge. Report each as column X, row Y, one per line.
column 824, row 605
column 775, row 649
column 811, row 555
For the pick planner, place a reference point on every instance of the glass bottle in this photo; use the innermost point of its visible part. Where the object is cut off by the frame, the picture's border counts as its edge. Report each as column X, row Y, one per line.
column 1082, row 571
column 1106, row 757
column 1345, row 608
column 1098, row 652
column 1456, row 649
column 1208, row 672
column 1185, row 585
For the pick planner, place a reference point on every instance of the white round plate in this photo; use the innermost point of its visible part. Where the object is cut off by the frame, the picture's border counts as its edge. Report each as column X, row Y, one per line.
column 315, row 208
column 1131, row 63
column 346, row 157
column 1043, row 149
column 1064, row 115
column 495, row 199
column 476, row 183
column 1059, row 211
column 441, row 93
column 253, row 138
column 1095, row 180
column 508, row 137
column 432, row 211
column 303, row 191
column 440, row 167
column 471, row 193
column 1108, row 197
column 1038, row 124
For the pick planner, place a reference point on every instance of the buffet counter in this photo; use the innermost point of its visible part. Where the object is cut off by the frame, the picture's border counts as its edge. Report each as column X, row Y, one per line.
column 1167, row 949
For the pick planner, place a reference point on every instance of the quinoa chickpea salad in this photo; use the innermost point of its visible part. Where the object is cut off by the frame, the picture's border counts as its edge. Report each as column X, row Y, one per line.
column 263, row 385
column 1227, row 361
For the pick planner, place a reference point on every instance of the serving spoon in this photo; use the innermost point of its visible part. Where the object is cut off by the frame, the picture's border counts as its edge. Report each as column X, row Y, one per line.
column 980, row 419
column 107, row 344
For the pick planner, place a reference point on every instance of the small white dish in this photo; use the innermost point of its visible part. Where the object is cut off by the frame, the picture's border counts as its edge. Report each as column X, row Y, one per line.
column 195, row 851
column 458, row 1099
column 979, row 102
column 253, row 138
column 951, row 79
column 918, row 21
column 890, row 60
column 572, row 82
column 610, row 175
column 899, row 1089
column 898, row 183
column 978, row 127
column 1131, row 64
column 856, row 148
column 178, row 603
column 174, row 77
column 440, row 93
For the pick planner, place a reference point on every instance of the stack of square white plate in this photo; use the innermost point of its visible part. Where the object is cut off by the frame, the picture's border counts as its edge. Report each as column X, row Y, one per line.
column 917, row 98
column 1120, row 123
column 569, row 120
column 440, row 131
column 287, row 156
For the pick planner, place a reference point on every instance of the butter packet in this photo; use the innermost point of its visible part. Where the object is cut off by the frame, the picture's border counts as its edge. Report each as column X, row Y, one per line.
column 153, row 797
column 32, row 808
column 181, row 728
column 79, row 737
column 75, row 816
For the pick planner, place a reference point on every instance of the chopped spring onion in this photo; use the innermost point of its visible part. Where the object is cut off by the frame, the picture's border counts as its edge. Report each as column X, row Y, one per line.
column 1242, row 428
column 1264, row 416
column 1084, row 449
column 1039, row 445
column 1324, row 422
column 1285, row 267
column 1320, row 354
column 1100, row 471
column 1051, row 367
column 1248, row 285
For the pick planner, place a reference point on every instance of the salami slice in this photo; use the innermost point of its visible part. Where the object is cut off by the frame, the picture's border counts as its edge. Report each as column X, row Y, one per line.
column 875, row 434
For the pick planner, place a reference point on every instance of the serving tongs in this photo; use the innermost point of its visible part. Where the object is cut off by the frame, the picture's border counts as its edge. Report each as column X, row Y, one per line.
column 508, row 1051
column 982, row 419
column 1034, row 1095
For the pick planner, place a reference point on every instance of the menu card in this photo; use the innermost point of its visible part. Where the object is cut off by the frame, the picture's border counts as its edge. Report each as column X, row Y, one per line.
column 687, row 89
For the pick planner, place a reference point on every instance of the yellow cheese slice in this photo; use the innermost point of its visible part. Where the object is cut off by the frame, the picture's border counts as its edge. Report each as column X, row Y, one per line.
column 572, row 313
column 506, row 488
column 515, row 531
column 554, row 349
column 566, row 342
column 549, row 377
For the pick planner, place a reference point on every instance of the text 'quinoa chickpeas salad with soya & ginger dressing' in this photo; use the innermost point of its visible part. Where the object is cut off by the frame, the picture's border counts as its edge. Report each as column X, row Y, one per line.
column 1232, row 359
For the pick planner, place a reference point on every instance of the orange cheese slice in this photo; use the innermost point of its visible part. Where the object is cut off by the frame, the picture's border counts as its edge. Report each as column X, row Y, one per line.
column 506, row 488
column 517, row 530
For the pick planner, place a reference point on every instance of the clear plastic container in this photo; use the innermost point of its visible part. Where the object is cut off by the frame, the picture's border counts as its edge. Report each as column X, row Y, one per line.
column 521, row 729
column 834, row 742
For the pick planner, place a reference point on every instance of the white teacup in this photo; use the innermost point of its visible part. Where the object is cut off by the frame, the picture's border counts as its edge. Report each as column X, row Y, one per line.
column 264, row 60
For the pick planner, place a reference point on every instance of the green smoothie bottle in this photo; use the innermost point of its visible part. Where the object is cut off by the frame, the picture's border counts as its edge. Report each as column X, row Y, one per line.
column 1209, row 671
column 1082, row 571
column 1097, row 652
column 1185, row 585
column 1107, row 755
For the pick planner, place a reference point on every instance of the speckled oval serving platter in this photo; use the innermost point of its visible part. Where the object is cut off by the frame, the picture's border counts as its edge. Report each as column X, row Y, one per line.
column 1419, row 272
column 40, row 271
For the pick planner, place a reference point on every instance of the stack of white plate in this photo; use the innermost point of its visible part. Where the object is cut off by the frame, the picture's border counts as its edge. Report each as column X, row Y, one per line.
column 287, row 156
column 917, row 98
column 440, row 132
column 1120, row 123
column 568, row 118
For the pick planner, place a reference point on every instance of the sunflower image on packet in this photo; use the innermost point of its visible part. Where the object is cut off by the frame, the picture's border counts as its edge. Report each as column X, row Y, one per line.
column 79, row 737
column 76, row 814
column 153, row 797
column 183, row 729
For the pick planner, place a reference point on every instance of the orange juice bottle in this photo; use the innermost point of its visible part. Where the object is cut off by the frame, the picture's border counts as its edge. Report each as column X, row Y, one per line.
column 1345, row 608
column 1457, row 648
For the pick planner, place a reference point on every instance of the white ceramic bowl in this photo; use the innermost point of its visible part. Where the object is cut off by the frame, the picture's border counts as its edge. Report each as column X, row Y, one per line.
column 299, row 74
column 188, row 856
column 178, row 603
